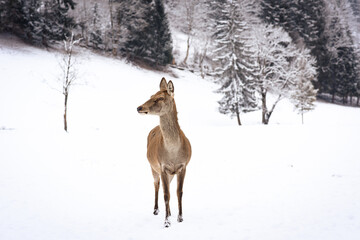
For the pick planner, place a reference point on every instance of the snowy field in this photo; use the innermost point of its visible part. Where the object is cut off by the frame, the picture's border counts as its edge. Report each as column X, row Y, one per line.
column 285, row 181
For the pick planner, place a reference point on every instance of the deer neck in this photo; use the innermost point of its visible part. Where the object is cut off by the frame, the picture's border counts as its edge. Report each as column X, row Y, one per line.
column 170, row 129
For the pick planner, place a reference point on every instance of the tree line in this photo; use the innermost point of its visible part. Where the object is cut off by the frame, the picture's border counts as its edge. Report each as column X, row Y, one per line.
column 135, row 29
column 292, row 49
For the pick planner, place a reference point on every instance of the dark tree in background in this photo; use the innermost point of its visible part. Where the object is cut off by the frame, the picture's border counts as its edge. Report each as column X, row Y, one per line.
column 148, row 37
column 57, row 18
column 37, row 21
column 12, row 16
column 95, row 40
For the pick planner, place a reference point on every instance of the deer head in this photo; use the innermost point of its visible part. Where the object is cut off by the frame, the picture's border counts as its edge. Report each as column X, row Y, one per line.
column 161, row 102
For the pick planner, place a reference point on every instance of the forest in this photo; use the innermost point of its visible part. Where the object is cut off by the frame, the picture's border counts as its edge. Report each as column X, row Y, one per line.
column 300, row 50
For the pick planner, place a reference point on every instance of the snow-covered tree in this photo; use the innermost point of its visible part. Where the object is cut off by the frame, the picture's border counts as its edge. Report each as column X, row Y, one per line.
column 274, row 48
column 303, row 93
column 237, row 67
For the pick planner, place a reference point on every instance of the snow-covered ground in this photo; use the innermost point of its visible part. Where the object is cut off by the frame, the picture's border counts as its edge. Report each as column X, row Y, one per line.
column 285, row 181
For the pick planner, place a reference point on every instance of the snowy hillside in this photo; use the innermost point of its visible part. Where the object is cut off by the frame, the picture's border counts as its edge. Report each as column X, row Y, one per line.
column 282, row 181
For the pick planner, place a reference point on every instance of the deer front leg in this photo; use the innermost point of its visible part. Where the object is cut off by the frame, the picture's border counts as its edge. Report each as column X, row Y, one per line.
column 180, row 184
column 165, row 182
column 156, row 185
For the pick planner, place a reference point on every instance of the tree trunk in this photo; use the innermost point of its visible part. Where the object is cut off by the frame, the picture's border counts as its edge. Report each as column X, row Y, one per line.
column 264, row 108
column 187, row 50
column 65, row 112
column 202, row 57
column 302, row 117
column 268, row 113
column 358, row 100
column 238, row 118
column 85, row 31
column 112, row 27
column 333, row 98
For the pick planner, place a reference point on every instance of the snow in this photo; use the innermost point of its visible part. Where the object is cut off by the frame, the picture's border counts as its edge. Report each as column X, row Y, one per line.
column 281, row 181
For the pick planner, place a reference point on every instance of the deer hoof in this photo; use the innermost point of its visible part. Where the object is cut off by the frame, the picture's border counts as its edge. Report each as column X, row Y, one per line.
column 180, row 218
column 167, row 223
column 156, row 211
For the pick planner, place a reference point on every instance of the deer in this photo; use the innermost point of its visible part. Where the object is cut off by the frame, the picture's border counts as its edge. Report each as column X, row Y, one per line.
column 168, row 149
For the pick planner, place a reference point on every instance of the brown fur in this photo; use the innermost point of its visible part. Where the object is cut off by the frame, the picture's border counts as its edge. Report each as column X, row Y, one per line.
column 168, row 149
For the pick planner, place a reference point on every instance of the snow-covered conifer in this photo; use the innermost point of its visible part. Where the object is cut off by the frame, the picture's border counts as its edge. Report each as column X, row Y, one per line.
column 236, row 68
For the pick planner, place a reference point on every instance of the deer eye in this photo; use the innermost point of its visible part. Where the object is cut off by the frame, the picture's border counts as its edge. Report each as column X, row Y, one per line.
column 159, row 99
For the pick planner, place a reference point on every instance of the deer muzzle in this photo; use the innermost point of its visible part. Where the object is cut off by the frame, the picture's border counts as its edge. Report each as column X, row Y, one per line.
column 141, row 110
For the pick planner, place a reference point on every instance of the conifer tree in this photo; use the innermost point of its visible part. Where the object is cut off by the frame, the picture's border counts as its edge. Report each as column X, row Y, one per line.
column 37, row 21
column 13, row 17
column 58, row 21
column 341, row 48
column 163, row 49
column 147, row 35
column 95, row 38
column 236, row 66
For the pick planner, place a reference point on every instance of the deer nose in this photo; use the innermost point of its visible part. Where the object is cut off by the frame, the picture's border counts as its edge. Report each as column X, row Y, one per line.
column 139, row 108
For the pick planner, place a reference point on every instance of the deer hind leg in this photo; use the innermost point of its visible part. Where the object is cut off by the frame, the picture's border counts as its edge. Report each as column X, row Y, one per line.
column 180, row 184
column 165, row 179
column 157, row 186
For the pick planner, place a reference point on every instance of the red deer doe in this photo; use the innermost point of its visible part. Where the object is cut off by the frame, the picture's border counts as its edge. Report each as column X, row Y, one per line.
column 168, row 150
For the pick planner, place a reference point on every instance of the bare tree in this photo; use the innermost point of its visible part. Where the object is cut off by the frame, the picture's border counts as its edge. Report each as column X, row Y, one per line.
column 190, row 7
column 69, row 72
column 186, row 16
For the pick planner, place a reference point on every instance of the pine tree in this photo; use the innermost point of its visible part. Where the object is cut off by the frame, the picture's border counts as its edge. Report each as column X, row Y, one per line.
column 236, row 71
column 13, row 17
column 341, row 48
column 146, row 31
column 95, row 34
column 163, row 51
column 37, row 21
column 58, row 21
column 274, row 11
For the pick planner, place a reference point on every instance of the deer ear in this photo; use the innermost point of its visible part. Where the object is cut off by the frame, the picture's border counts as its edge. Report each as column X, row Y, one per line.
column 170, row 88
column 163, row 84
